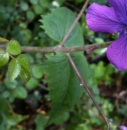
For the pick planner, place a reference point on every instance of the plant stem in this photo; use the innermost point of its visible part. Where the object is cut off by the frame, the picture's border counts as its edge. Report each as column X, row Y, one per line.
column 88, row 90
column 74, row 24
column 87, row 48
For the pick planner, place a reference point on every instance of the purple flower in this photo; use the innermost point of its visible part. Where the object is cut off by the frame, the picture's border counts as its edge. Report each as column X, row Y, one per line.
column 123, row 128
column 113, row 19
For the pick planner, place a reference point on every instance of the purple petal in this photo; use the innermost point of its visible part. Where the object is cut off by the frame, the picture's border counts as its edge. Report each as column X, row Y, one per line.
column 101, row 18
column 123, row 128
column 120, row 7
column 117, row 52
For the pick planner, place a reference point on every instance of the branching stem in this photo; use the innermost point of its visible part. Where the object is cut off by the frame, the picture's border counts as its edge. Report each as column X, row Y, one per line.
column 87, row 48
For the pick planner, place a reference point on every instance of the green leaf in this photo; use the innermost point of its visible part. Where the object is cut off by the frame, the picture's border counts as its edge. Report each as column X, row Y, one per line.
column 32, row 83
column 6, row 94
column 38, row 9
column 4, row 57
column 3, row 121
column 13, row 47
column 24, row 6
column 34, row 2
column 3, row 40
column 44, row 3
column 14, row 119
column 81, row 64
column 25, row 67
column 37, row 71
column 30, row 15
column 57, row 24
column 4, row 111
column 10, row 84
column 20, row 92
column 64, row 85
column 13, row 69
column 40, row 121
column 25, row 74
column 24, row 61
column 4, row 107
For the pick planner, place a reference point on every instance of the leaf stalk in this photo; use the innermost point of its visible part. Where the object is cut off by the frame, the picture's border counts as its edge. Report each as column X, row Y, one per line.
column 74, row 24
column 88, row 90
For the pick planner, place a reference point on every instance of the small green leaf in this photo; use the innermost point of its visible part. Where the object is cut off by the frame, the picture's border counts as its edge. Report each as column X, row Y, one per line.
column 6, row 94
column 40, row 121
column 15, row 119
column 38, row 9
column 32, row 83
column 4, row 57
column 25, row 74
column 10, row 84
column 57, row 24
column 44, row 3
column 20, row 92
column 37, row 71
column 24, row 6
column 13, row 47
column 4, row 107
column 34, row 2
column 25, row 67
column 13, row 69
column 24, row 61
column 3, row 40
column 30, row 15
column 3, row 121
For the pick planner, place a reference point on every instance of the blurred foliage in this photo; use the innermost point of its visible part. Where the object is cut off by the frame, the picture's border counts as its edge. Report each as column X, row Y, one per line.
column 26, row 106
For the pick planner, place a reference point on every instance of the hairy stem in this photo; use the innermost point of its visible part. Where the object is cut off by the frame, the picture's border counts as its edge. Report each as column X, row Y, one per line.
column 75, row 22
column 88, row 90
column 87, row 48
